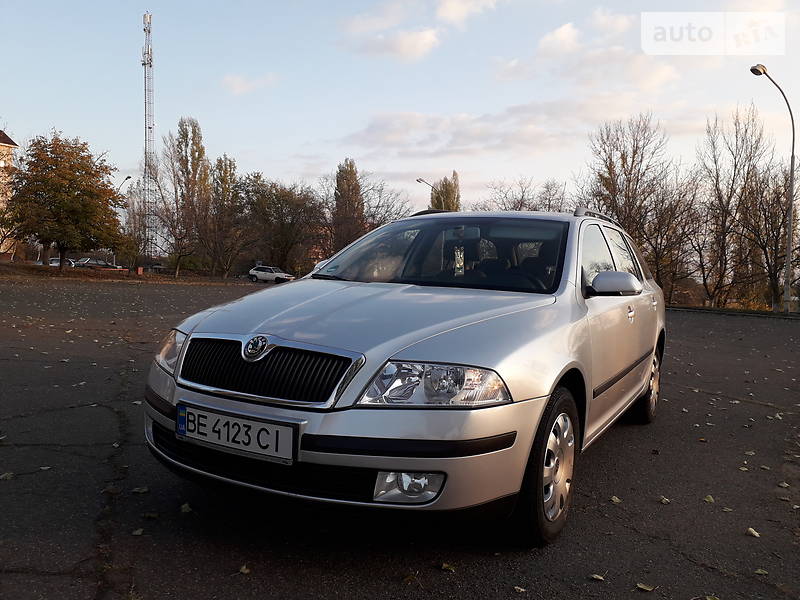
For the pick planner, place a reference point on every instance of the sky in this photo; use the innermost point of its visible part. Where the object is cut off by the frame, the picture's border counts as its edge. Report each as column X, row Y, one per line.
column 495, row 89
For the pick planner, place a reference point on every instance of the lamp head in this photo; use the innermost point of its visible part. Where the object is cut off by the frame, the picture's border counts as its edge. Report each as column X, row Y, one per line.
column 758, row 69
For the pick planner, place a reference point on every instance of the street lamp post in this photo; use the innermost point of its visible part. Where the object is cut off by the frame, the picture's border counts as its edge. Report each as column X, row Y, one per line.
column 119, row 187
column 421, row 180
column 760, row 69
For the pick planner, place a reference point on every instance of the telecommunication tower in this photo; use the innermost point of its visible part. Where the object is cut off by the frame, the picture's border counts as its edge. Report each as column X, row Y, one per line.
column 148, row 179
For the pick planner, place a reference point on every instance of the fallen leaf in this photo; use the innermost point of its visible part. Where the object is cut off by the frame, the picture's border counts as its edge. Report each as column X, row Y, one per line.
column 750, row 453
column 644, row 587
column 765, row 468
column 664, row 500
column 783, row 484
column 597, row 577
column 140, row 490
column 616, row 500
column 519, row 589
column 753, row 532
column 743, row 468
column 244, row 570
column 185, row 508
column 704, row 440
column 709, row 499
column 760, row 572
column 448, row 567
column 726, row 509
column 139, row 531
column 111, row 489
column 6, row 476
column 45, row 468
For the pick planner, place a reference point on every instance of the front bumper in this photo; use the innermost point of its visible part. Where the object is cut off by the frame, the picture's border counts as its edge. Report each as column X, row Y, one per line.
column 482, row 452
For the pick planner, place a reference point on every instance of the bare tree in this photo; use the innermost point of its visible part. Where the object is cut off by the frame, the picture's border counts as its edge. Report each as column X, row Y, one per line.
column 762, row 221
column 728, row 160
column 628, row 163
column 524, row 194
column 669, row 228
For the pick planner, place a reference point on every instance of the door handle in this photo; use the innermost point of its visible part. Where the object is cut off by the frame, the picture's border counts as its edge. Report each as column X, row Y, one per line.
column 654, row 302
column 631, row 313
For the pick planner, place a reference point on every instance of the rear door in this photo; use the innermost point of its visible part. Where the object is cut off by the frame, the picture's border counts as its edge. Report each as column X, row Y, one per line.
column 614, row 341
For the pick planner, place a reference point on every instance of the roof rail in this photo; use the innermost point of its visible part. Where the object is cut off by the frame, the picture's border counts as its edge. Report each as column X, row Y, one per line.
column 430, row 211
column 582, row 211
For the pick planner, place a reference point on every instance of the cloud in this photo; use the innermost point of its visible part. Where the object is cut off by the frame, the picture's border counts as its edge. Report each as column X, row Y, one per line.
column 456, row 12
column 560, row 40
column 239, row 85
column 403, row 45
column 610, row 23
column 525, row 129
column 385, row 16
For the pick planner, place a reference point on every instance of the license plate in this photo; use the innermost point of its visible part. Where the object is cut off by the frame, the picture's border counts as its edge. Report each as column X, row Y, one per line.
column 269, row 440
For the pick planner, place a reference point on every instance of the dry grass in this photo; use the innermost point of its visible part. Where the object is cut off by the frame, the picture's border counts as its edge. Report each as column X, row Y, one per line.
column 30, row 272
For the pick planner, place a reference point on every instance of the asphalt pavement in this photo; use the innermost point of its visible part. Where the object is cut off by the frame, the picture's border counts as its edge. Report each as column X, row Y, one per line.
column 86, row 512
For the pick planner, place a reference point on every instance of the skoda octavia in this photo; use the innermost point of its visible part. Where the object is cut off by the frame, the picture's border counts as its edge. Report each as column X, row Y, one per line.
column 440, row 362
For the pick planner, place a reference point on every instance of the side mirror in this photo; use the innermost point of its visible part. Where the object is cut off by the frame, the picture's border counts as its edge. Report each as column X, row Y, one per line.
column 614, row 283
column 319, row 265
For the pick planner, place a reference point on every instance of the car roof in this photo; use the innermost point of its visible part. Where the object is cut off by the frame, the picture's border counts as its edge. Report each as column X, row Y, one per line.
column 514, row 214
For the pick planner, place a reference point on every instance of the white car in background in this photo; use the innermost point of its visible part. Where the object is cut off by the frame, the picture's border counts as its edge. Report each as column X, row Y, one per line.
column 272, row 274
column 55, row 262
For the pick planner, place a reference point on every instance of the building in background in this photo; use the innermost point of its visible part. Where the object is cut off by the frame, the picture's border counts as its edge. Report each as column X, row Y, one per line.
column 7, row 147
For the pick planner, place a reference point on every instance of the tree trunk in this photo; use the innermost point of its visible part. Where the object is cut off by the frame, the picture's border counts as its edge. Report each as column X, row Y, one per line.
column 177, row 267
column 62, row 254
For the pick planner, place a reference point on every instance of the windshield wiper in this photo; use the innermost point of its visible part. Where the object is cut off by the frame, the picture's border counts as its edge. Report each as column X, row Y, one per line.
column 327, row 276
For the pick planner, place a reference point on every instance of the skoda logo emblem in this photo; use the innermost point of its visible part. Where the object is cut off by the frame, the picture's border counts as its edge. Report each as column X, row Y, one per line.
column 256, row 347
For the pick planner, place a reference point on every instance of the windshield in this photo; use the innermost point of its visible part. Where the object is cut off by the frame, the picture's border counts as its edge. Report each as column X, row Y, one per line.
column 499, row 253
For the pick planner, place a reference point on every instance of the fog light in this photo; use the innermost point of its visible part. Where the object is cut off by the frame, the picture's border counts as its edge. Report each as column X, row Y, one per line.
column 407, row 488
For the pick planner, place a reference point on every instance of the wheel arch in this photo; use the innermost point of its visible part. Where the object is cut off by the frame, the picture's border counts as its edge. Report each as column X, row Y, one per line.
column 573, row 379
column 662, row 340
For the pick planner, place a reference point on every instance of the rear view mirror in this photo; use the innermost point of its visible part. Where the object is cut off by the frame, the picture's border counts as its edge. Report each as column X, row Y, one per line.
column 461, row 233
column 614, row 283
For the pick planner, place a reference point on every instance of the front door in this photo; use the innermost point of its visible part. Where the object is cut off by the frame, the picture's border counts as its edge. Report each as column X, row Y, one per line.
column 614, row 337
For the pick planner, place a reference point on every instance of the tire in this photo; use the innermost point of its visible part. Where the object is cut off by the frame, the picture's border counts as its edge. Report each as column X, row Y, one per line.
column 542, row 507
column 280, row 280
column 644, row 409
column 253, row 278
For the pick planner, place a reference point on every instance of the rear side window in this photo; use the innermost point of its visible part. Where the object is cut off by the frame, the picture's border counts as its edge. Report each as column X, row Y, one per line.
column 640, row 257
column 595, row 255
column 622, row 256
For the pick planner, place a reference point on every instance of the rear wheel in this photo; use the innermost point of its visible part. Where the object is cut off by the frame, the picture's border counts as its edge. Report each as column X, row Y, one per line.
column 644, row 409
column 253, row 278
column 546, row 493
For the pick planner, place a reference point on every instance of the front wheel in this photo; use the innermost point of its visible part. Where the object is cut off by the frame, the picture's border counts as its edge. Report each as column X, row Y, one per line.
column 547, row 489
column 253, row 278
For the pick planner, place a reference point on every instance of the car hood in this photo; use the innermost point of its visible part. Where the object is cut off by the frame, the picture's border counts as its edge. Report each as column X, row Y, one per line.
column 370, row 318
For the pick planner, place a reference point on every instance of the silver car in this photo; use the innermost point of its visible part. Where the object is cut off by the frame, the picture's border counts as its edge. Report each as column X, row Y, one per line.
column 442, row 361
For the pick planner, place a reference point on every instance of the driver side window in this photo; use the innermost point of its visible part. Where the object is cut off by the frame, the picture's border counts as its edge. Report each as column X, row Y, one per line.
column 595, row 255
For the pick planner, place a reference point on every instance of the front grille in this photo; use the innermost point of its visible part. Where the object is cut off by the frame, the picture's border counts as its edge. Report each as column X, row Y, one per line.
column 307, row 479
column 284, row 373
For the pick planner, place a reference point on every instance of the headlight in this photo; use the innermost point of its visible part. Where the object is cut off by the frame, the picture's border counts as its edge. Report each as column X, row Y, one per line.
column 428, row 384
column 170, row 349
